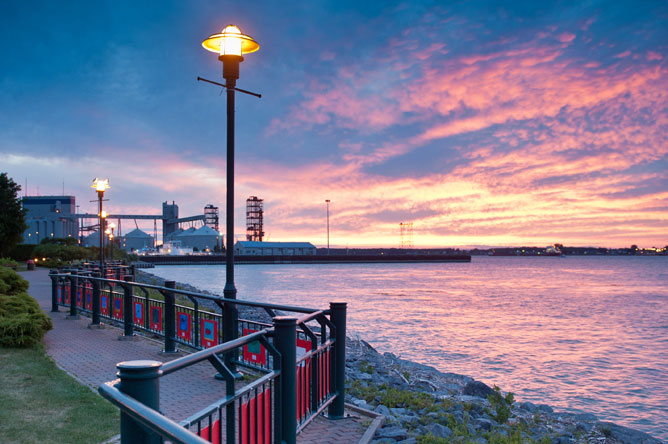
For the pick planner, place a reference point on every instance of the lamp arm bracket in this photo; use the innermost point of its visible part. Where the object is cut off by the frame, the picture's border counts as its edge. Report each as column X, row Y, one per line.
column 259, row 96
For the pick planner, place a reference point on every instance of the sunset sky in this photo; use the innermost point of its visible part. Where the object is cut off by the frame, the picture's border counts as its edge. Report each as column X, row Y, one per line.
column 481, row 122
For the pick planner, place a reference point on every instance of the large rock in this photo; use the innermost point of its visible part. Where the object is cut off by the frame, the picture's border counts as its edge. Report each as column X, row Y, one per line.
column 439, row 430
column 393, row 432
column 626, row 435
column 477, row 389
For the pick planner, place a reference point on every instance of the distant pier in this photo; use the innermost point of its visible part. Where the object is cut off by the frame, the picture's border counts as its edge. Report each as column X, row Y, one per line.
column 310, row 259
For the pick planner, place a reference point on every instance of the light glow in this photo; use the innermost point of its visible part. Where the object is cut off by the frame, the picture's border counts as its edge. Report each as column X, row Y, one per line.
column 100, row 184
column 230, row 41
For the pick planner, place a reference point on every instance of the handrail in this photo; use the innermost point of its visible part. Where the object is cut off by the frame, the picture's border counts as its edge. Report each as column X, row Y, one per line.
column 148, row 417
column 185, row 361
column 199, row 295
column 311, row 316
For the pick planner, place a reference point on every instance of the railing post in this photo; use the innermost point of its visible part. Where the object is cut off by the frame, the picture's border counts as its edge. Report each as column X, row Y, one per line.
column 96, row 301
column 128, row 331
column 230, row 332
column 54, row 290
column 73, row 298
column 285, row 339
column 170, row 319
column 140, row 380
column 337, row 312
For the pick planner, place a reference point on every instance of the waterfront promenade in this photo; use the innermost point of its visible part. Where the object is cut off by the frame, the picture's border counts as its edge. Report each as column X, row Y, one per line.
column 90, row 356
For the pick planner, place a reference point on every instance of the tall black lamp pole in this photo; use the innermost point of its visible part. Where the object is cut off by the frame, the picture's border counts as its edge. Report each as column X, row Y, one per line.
column 230, row 45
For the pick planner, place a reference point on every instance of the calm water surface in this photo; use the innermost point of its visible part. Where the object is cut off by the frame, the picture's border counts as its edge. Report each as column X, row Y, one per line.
column 584, row 334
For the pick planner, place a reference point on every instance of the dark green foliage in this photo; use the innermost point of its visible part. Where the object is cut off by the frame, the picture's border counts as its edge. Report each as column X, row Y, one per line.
column 50, row 263
column 502, row 405
column 22, row 252
column 392, row 397
column 62, row 252
column 430, row 439
column 12, row 215
column 365, row 367
column 22, row 322
column 71, row 241
column 9, row 263
column 11, row 283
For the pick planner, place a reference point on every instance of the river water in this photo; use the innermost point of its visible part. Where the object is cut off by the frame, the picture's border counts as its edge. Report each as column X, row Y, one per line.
column 583, row 334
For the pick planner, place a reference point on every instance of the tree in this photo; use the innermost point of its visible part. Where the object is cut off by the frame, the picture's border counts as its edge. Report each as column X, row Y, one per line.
column 12, row 215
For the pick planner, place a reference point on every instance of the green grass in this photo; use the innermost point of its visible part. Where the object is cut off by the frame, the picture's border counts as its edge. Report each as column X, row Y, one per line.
column 41, row 403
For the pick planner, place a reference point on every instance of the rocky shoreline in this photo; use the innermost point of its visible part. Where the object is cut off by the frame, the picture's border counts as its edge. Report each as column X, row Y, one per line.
column 425, row 406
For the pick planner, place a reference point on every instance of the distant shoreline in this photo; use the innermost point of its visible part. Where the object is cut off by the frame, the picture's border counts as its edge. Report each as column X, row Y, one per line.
column 302, row 259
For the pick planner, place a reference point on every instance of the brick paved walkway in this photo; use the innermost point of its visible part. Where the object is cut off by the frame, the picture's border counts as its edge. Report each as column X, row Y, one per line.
column 90, row 355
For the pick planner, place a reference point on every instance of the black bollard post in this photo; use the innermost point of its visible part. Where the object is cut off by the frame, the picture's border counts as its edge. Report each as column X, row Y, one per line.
column 54, row 290
column 140, row 380
column 170, row 319
column 337, row 312
column 285, row 339
column 128, row 329
column 73, row 298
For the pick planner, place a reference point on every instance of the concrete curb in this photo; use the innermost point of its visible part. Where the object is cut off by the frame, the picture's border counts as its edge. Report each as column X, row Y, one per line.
column 378, row 421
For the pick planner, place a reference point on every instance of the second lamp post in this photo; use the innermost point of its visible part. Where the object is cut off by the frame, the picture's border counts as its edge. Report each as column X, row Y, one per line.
column 100, row 186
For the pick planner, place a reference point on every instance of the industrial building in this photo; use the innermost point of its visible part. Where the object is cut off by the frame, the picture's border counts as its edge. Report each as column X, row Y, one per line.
column 137, row 240
column 252, row 248
column 203, row 238
column 49, row 217
column 55, row 216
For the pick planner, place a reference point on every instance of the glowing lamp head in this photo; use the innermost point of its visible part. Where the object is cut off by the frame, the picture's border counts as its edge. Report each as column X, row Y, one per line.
column 231, row 41
column 112, row 226
column 103, row 214
column 100, row 184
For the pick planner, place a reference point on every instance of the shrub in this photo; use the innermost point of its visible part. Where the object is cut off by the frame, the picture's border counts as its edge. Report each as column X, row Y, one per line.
column 22, row 252
column 8, row 263
column 22, row 322
column 11, row 282
column 502, row 405
column 50, row 263
column 62, row 252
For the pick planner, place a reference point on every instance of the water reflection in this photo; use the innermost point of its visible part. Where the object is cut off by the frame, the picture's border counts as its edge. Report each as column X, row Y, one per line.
column 580, row 333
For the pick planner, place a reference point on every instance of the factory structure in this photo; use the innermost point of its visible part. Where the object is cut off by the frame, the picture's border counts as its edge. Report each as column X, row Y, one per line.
column 57, row 217
column 49, row 217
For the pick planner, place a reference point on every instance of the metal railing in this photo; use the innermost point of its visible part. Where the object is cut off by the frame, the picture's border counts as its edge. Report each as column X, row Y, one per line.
column 301, row 358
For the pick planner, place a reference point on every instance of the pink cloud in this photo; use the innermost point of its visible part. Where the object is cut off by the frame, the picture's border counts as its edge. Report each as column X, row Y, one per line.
column 566, row 37
column 562, row 135
column 651, row 55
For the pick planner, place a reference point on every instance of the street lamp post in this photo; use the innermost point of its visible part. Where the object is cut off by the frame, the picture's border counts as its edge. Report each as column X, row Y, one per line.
column 100, row 186
column 230, row 45
column 327, row 201
column 110, row 233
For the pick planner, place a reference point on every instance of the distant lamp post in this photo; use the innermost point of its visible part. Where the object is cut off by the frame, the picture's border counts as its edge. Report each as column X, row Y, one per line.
column 230, row 45
column 327, row 201
column 100, row 186
column 110, row 233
